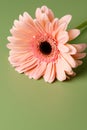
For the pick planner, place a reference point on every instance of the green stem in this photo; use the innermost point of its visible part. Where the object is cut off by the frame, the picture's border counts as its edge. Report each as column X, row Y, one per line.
column 82, row 26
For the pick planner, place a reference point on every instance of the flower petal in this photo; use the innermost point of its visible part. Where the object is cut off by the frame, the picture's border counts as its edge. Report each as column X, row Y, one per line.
column 48, row 72
column 72, row 49
column 69, row 59
column 55, row 23
column 60, row 74
column 67, row 68
column 39, row 27
column 40, row 70
column 62, row 37
column 65, row 19
column 65, row 64
column 49, row 27
column 73, row 33
column 79, row 55
column 26, row 65
column 58, row 29
column 48, row 12
column 80, row 47
column 63, row 48
column 49, row 75
column 44, row 15
column 79, row 62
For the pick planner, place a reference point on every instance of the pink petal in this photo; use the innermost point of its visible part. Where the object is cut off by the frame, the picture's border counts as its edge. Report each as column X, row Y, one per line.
column 49, row 28
column 65, row 19
column 17, row 59
column 60, row 74
column 58, row 29
column 69, row 59
column 67, row 68
column 55, row 23
column 30, row 72
column 48, row 72
column 63, row 48
column 44, row 15
column 30, row 64
column 49, row 75
column 65, row 64
column 40, row 70
column 52, row 77
column 48, row 12
column 27, row 19
column 79, row 55
column 71, row 73
column 80, row 47
column 79, row 62
column 39, row 27
column 38, row 13
column 44, row 19
column 72, row 49
column 73, row 33
column 62, row 37
column 62, row 27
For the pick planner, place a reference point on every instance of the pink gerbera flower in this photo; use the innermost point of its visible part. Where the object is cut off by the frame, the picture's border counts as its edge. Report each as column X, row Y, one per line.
column 40, row 46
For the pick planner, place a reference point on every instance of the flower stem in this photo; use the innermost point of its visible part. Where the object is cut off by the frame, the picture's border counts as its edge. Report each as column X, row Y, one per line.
column 82, row 26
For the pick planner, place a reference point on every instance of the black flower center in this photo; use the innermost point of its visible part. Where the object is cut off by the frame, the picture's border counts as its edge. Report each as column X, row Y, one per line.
column 45, row 47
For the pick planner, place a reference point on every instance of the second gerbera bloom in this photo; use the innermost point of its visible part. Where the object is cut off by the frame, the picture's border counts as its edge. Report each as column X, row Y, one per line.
column 40, row 46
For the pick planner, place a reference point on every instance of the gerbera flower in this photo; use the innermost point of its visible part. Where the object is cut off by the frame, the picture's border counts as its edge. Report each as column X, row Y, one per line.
column 40, row 46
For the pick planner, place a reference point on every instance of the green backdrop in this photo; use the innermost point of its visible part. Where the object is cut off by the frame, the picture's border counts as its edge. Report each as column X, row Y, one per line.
column 35, row 105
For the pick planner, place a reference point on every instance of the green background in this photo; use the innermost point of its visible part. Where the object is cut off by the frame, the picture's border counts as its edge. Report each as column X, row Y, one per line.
column 35, row 105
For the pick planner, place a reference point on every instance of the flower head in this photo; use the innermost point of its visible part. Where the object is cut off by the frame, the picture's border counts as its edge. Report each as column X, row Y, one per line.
column 40, row 47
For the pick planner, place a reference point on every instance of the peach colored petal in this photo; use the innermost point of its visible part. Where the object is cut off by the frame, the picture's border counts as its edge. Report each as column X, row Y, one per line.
column 52, row 76
column 26, row 66
column 30, row 72
column 79, row 55
column 49, row 75
column 62, row 37
column 65, row 19
column 60, row 74
column 69, row 59
column 59, row 29
column 30, row 67
column 79, row 62
column 48, row 72
column 73, row 33
column 48, row 12
column 63, row 48
column 80, row 47
column 44, row 19
column 55, row 23
column 20, row 57
column 39, row 27
column 62, row 27
column 24, row 32
column 38, row 14
column 70, row 73
column 27, row 19
column 66, row 66
column 41, row 17
column 49, row 27
column 40, row 70
column 72, row 49
column 44, row 15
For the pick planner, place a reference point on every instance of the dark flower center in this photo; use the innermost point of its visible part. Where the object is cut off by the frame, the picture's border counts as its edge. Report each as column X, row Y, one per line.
column 45, row 47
